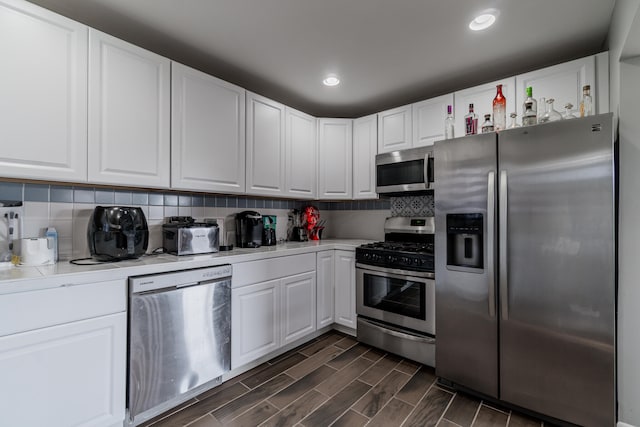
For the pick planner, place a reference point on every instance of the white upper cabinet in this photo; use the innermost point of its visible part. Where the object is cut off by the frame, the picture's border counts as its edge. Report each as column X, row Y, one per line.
column 300, row 148
column 428, row 120
column 394, row 129
column 265, row 146
column 335, row 151
column 562, row 82
column 129, row 113
column 207, row 132
column 43, row 82
column 365, row 148
column 482, row 99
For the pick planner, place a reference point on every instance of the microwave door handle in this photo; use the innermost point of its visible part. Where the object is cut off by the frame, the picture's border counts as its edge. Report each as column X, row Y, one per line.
column 426, row 169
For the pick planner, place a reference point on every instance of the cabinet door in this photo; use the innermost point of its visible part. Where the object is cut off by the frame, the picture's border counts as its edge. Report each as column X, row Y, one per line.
column 265, row 146
column 129, row 112
column 335, row 151
column 428, row 120
column 562, row 82
column 255, row 321
column 482, row 99
column 365, row 148
column 71, row 374
column 298, row 305
column 394, row 129
column 43, row 82
column 207, row 132
column 324, row 287
column 345, row 288
column 300, row 149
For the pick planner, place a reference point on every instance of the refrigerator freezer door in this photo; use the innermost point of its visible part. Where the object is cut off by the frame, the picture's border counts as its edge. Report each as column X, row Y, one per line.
column 466, row 321
column 557, row 328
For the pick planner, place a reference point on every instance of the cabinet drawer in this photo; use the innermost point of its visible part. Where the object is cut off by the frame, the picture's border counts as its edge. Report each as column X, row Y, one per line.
column 26, row 311
column 246, row 273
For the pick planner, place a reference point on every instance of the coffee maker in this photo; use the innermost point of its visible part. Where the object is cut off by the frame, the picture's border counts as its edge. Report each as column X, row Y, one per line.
column 249, row 229
column 269, row 230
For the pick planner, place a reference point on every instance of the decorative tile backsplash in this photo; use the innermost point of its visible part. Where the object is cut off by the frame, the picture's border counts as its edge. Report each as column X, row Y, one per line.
column 412, row 206
column 67, row 208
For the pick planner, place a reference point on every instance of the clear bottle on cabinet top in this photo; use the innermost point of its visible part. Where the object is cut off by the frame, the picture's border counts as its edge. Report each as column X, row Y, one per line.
column 514, row 124
column 530, row 98
column 499, row 110
column 586, row 105
column 542, row 109
column 550, row 114
column 487, row 126
column 471, row 122
column 449, row 124
column 567, row 111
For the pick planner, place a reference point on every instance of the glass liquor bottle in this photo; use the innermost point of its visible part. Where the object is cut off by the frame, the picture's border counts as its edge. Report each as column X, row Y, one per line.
column 567, row 111
column 449, row 124
column 487, row 126
column 529, row 116
column 471, row 122
column 513, row 123
column 586, row 105
column 550, row 115
column 499, row 110
column 534, row 105
column 543, row 105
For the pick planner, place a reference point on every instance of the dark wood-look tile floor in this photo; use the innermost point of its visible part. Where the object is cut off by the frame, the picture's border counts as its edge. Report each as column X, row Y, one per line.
column 336, row 381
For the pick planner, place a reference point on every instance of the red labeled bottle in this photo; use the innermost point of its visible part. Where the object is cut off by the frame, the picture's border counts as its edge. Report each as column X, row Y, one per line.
column 499, row 110
column 471, row 122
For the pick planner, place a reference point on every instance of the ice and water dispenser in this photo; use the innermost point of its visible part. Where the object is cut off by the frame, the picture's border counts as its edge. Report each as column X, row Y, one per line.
column 465, row 236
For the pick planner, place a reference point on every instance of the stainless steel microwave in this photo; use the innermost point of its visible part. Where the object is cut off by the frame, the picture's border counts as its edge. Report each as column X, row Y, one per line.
column 399, row 172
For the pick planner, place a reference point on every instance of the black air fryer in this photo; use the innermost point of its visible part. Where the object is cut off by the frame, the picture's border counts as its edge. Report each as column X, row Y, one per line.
column 115, row 233
column 249, row 228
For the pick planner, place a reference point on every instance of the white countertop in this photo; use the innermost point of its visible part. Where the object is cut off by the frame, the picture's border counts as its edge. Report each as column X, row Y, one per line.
column 63, row 273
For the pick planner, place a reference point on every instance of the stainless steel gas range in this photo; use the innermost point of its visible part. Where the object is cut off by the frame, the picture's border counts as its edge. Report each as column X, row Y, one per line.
column 395, row 290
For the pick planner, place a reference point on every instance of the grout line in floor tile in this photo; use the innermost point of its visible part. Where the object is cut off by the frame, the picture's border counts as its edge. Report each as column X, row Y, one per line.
column 453, row 396
column 261, row 401
column 477, row 412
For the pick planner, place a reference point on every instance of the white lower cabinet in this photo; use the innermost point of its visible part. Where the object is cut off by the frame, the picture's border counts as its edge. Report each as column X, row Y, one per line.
column 345, row 288
column 325, row 272
column 298, row 309
column 70, row 374
column 255, row 321
column 273, row 303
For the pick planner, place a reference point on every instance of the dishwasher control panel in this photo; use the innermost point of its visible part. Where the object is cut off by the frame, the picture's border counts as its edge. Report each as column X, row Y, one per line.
column 178, row 279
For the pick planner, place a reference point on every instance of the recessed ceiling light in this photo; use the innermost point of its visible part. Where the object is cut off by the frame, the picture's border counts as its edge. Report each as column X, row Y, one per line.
column 331, row 80
column 484, row 20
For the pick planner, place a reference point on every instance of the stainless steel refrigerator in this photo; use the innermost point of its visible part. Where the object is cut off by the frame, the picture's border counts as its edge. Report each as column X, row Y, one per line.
column 525, row 267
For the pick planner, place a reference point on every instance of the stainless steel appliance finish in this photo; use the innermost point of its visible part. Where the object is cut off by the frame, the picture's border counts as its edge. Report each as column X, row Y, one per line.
column 184, row 236
column 404, row 171
column 535, row 326
column 395, row 290
column 179, row 338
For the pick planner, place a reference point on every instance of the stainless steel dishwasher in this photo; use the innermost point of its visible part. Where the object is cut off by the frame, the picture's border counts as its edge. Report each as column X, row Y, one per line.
column 179, row 338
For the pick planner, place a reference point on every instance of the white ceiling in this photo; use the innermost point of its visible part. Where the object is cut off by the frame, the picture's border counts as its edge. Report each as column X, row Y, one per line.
column 386, row 52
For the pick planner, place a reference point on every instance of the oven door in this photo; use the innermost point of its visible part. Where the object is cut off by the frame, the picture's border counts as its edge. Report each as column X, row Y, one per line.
column 402, row 298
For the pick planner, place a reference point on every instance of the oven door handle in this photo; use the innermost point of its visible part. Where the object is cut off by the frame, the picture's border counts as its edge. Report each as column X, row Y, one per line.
column 394, row 332
column 395, row 272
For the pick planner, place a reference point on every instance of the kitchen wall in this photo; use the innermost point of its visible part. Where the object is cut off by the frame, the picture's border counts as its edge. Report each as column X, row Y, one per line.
column 625, row 101
column 67, row 208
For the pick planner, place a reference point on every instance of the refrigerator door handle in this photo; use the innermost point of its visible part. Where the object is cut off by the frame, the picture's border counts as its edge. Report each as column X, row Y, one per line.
column 504, row 204
column 490, row 233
